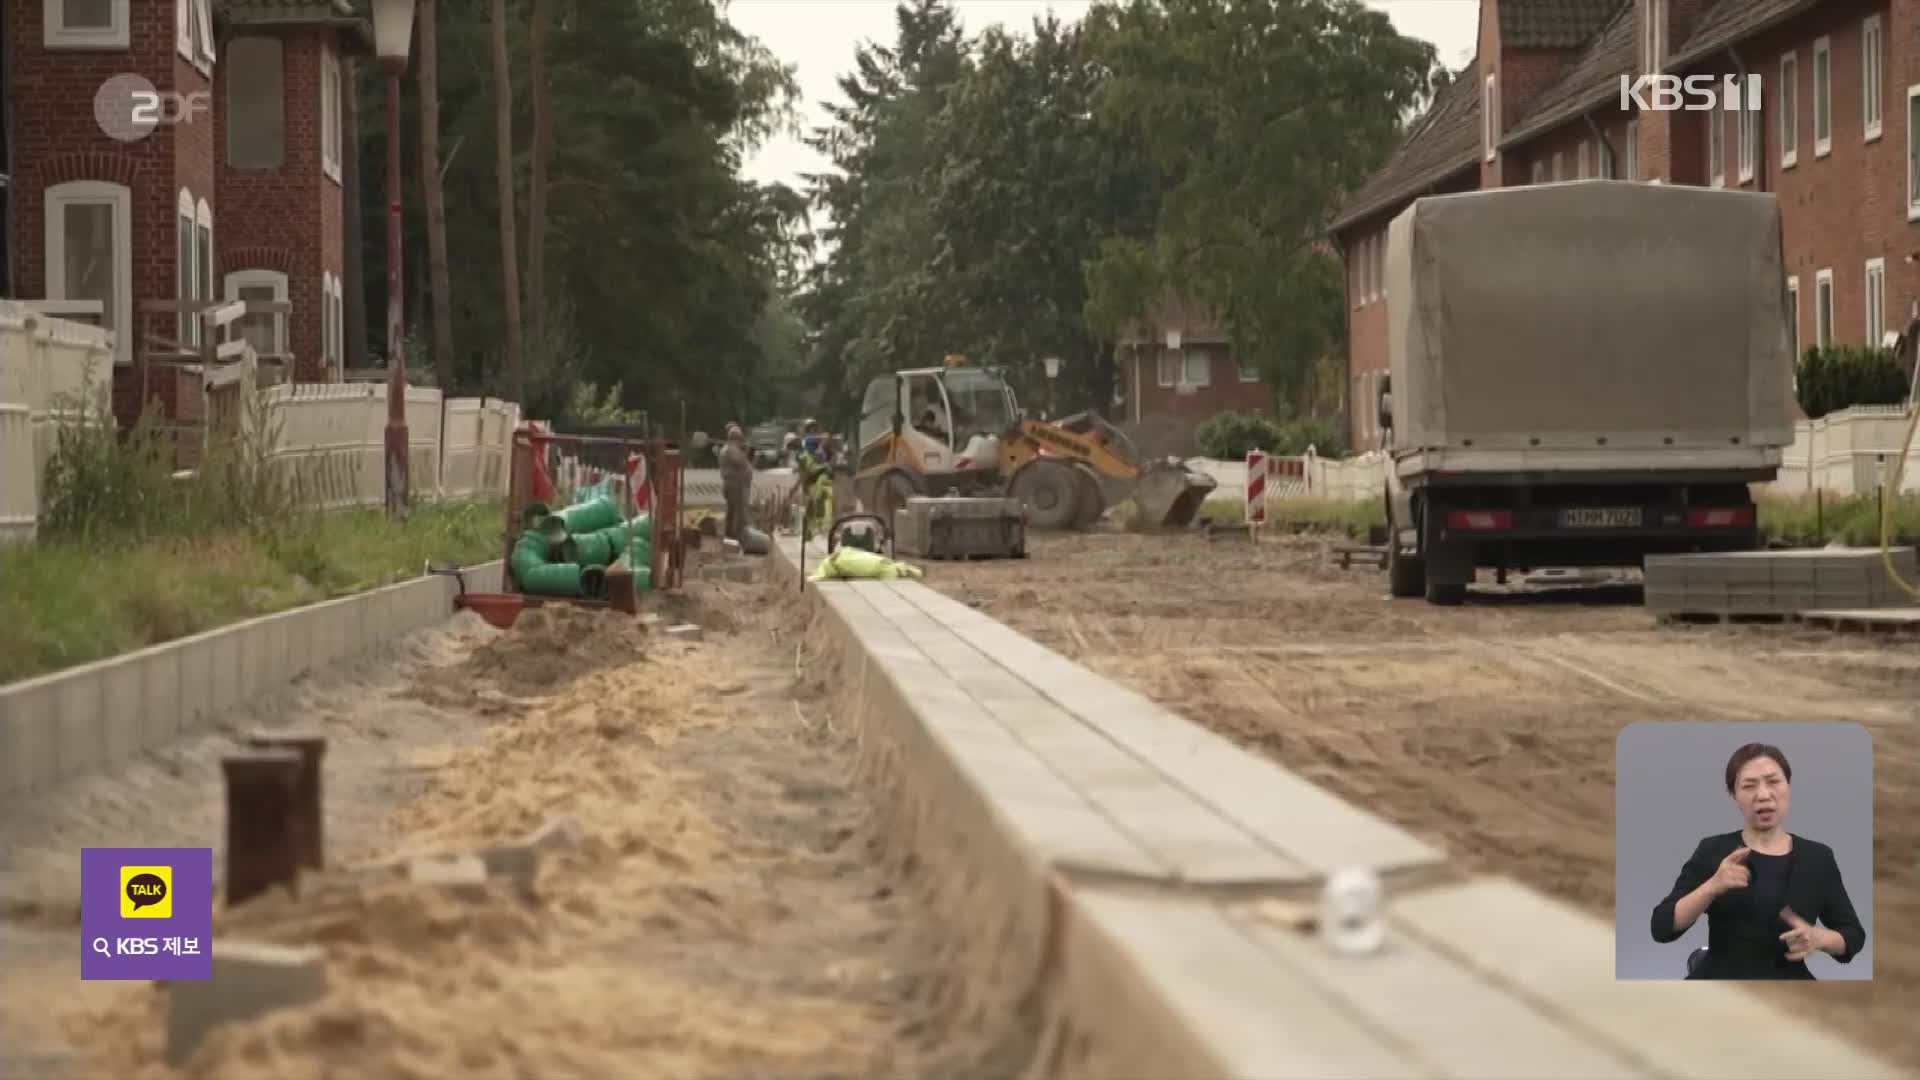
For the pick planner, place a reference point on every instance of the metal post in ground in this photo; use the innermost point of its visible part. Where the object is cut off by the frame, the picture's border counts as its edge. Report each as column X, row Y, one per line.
column 260, row 810
column 308, row 795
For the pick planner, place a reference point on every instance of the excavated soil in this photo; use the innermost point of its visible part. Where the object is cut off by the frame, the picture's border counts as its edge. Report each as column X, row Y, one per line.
column 1488, row 729
column 727, row 907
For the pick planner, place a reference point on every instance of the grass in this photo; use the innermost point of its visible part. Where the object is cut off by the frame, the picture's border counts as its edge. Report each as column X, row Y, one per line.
column 68, row 600
column 1801, row 521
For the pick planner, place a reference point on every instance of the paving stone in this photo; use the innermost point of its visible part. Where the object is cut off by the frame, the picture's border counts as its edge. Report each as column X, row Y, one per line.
column 516, row 864
column 554, row 834
column 249, row 980
column 687, row 632
column 464, row 876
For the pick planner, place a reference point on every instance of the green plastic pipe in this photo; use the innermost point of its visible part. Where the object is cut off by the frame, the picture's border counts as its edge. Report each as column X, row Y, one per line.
column 529, row 553
column 593, row 549
column 642, row 526
column 555, row 579
column 643, row 579
column 591, row 516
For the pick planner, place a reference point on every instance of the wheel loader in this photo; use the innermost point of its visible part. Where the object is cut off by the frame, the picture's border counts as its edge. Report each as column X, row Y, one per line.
column 957, row 427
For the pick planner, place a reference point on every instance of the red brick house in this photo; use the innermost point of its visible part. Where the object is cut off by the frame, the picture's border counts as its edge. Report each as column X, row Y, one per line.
column 1179, row 366
column 1543, row 103
column 240, row 198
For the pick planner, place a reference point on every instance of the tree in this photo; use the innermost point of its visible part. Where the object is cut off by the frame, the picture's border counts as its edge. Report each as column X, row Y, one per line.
column 433, row 192
column 541, row 157
column 504, row 179
column 1258, row 115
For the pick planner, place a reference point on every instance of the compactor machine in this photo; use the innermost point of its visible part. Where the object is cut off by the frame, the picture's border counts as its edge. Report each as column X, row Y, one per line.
column 958, row 428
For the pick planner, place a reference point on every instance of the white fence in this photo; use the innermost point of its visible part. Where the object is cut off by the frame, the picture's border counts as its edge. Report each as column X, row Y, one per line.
column 43, row 369
column 1846, row 453
column 332, row 436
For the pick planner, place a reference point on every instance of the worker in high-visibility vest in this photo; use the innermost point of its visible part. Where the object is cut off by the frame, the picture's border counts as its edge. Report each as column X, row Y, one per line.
column 816, row 477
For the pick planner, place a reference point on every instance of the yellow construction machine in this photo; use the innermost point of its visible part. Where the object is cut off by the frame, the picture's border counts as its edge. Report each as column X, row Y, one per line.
column 931, row 431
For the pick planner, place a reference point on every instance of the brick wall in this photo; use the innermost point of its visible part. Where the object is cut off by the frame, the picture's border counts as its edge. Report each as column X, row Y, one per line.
column 288, row 219
column 1225, row 391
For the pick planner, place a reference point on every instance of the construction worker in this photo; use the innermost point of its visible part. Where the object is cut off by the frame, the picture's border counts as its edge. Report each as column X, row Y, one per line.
column 736, row 480
column 816, row 477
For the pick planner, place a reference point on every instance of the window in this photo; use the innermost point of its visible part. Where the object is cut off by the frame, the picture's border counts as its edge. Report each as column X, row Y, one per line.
column 338, row 318
column 193, row 33
column 1789, row 110
column 1823, row 308
column 203, row 253
column 1716, row 148
column 1247, row 374
column 1199, row 368
column 1822, row 97
column 1607, row 162
column 328, row 346
column 1380, row 265
column 1913, row 153
column 1585, row 152
column 1749, row 143
column 89, row 226
column 1876, row 301
column 1653, row 41
column 255, row 105
column 1632, row 171
column 1539, row 172
column 1489, row 115
column 330, row 115
column 1170, row 367
column 1559, row 166
column 186, row 325
column 1873, row 79
column 267, row 333
column 85, row 24
column 1793, row 318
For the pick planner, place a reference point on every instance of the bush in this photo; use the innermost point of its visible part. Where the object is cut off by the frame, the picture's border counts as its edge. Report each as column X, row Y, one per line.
column 1229, row 436
column 1828, row 380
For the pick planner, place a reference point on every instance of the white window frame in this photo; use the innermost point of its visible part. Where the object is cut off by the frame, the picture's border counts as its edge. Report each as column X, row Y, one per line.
column 203, row 257
column 1716, row 148
column 1653, row 39
column 1559, row 166
column 1539, row 171
column 1822, row 96
column 1582, row 158
column 186, row 274
column 326, row 318
column 255, row 279
column 1490, row 116
column 1793, row 314
column 1823, row 308
column 1606, row 159
column 56, row 34
column 339, row 315
column 1913, row 156
column 120, row 198
column 1876, row 301
column 1873, row 82
column 193, row 33
column 330, row 120
column 1632, row 169
column 1789, row 110
column 1168, row 367
column 1749, row 145
column 1247, row 374
column 1206, row 367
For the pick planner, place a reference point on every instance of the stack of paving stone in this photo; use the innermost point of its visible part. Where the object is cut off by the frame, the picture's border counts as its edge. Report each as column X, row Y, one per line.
column 1777, row 583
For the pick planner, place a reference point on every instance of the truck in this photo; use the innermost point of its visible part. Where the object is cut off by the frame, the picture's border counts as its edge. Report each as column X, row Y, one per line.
column 1580, row 375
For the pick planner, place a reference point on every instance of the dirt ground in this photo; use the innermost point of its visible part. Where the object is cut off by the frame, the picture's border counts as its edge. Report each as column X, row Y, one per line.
column 1489, row 729
column 729, row 908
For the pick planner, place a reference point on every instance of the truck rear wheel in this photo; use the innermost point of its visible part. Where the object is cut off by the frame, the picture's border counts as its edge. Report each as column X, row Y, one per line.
column 1406, row 574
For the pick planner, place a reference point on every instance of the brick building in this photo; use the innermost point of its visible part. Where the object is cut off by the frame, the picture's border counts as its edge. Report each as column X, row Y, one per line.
column 1541, row 102
column 240, row 197
column 1178, row 368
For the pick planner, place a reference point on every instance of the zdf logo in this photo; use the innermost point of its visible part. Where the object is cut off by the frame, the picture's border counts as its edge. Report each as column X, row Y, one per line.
column 128, row 107
column 1694, row 93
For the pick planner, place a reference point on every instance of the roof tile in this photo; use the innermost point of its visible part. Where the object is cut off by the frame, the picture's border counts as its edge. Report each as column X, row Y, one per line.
column 1553, row 24
column 1590, row 82
column 1729, row 21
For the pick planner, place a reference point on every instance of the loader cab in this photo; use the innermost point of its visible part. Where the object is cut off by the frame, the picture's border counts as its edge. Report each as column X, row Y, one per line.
column 948, row 418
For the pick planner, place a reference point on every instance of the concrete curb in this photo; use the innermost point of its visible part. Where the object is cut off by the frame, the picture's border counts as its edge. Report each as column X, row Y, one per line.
column 97, row 716
column 1116, row 871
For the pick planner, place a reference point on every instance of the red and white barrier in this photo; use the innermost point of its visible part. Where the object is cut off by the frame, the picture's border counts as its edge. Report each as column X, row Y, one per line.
column 1275, row 476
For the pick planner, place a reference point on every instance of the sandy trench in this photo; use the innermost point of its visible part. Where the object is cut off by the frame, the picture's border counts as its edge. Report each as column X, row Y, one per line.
column 1488, row 729
column 732, row 907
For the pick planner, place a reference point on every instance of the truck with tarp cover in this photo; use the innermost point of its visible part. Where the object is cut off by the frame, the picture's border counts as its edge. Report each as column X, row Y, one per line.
column 1582, row 374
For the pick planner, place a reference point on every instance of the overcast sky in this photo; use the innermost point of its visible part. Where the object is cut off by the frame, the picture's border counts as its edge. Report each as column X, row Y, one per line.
column 819, row 37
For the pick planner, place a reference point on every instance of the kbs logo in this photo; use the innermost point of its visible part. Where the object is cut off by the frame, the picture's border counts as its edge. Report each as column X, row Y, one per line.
column 1693, row 93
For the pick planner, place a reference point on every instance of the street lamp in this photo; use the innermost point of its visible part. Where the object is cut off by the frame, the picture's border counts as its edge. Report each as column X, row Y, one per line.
column 1053, row 372
column 392, row 41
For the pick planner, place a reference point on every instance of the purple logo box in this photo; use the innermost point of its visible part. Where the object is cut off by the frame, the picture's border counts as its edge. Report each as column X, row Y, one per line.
column 146, row 913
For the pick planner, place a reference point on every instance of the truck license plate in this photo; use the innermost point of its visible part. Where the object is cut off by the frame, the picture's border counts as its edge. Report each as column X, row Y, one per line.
column 1627, row 518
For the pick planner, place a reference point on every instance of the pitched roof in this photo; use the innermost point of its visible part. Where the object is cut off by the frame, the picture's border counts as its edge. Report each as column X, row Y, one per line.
column 1173, row 312
column 1553, row 24
column 1729, row 21
column 1445, row 140
column 1590, row 82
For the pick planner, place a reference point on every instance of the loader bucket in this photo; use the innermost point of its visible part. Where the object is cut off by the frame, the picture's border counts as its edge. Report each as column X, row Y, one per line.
column 1169, row 495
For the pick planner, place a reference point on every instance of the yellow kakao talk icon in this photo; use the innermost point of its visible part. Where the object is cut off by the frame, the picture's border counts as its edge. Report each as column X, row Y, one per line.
column 146, row 892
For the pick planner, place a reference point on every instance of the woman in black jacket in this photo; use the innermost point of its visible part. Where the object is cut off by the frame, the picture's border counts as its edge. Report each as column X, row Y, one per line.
column 1771, row 899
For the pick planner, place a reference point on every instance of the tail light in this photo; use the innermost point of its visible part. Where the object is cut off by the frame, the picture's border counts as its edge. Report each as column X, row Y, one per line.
column 1720, row 518
column 1480, row 520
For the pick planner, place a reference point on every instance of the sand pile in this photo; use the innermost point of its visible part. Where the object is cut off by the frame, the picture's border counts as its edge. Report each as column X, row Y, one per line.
column 556, row 643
